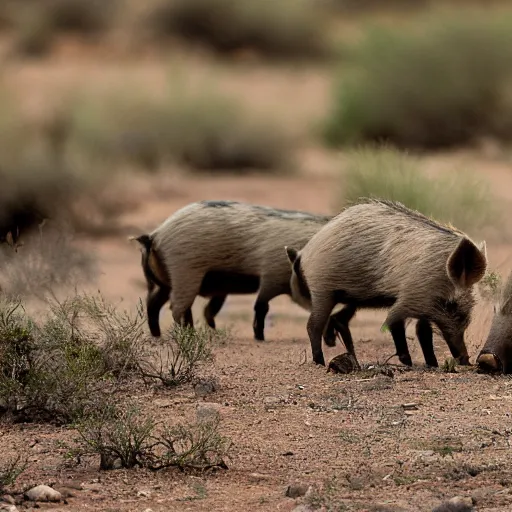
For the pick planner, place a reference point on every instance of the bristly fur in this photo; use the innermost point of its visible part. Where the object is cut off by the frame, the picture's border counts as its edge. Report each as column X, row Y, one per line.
column 379, row 252
column 207, row 239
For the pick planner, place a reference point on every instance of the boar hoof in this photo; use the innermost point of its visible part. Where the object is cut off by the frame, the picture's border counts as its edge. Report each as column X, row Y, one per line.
column 319, row 359
column 488, row 362
column 405, row 359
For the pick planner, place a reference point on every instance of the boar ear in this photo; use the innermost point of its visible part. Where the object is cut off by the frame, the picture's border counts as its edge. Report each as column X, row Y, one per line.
column 467, row 264
column 291, row 253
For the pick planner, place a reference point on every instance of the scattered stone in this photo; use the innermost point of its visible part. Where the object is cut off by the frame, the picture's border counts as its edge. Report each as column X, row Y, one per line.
column 457, row 504
column 144, row 494
column 208, row 411
column 410, row 407
column 43, row 493
column 163, row 402
column 271, row 402
column 303, row 508
column 93, row 487
column 7, row 498
column 7, row 507
column 66, row 492
column 343, row 363
column 206, row 386
column 296, row 490
column 258, row 477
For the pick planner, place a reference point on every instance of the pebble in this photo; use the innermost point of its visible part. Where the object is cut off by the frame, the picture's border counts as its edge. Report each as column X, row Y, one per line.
column 271, row 402
column 43, row 493
column 8, row 499
column 7, row 507
column 258, row 477
column 296, row 490
column 457, row 504
column 303, row 508
column 205, row 387
column 207, row 411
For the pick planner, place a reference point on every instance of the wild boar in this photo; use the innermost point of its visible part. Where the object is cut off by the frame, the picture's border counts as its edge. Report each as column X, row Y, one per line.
column 380, row 254
column 217, row 248
column 496, row 355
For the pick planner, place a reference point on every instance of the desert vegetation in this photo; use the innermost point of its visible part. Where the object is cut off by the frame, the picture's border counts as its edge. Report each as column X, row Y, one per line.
column 114, row 115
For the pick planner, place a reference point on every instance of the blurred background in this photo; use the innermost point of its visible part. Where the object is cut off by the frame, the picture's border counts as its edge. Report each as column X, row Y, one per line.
column 116, row 113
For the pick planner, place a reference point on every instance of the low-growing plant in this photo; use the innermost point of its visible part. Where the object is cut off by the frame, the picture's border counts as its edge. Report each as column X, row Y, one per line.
column 203, row 132
column 440, row 83
column 449, row 365
column 175, row 359
column 55, row 368
column 11, row 470
column 458, row 198
column 122, row 437
column 285, row 29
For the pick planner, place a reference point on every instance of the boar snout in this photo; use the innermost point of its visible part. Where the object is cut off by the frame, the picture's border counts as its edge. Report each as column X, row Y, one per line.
column 489, row 363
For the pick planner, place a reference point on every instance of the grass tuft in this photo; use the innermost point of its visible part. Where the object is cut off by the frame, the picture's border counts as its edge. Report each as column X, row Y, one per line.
column 459, row 198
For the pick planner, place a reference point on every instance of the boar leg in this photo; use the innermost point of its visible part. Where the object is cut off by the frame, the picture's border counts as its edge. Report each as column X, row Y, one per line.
column 341, row 320
column 426, row 339
column 156, row 298
column 212, row 309
column 397, row 329
column 320, row 313
column 183, row 295
column 330, row 333
column 267, row 292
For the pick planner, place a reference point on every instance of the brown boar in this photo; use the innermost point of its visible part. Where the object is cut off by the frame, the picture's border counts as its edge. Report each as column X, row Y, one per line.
column 380, row 254
column 217, row 248
column 496, row 355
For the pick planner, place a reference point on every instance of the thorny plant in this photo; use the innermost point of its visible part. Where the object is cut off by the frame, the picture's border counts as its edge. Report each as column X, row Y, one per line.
column 122, row 436
column 52, row 368
column 175, row 360
column 11, row 470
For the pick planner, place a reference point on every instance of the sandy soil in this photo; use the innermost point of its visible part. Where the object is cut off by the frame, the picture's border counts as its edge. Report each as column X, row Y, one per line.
column 350, row 437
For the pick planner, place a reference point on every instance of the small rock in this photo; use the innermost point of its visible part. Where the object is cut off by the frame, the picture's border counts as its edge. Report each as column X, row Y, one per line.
column 296, row 490
column 8, row 499
column 457, row 504
column 207, row 411
column 143, row 494
column 148, row 510
column 66, row 492
column 343, row 363
column 93, row 487
column 410, row 407
column 163, row 402
column 7, row 507
column 258, row 477
column 43, row 493
column 271, row 402
column 303, row 508
column 206, row 386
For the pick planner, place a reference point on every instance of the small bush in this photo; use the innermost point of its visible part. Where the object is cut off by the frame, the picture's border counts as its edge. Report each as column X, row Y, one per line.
column 458, row 198
column 176, row 360
column 10, row 471
column 439, row 84
column 289, row 28
column 42, row 263
column 56, row 368
column 200, row 132
column 122, row 437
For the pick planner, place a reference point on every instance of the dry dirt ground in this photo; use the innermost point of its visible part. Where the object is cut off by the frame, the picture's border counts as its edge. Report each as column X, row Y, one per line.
column 349, row 437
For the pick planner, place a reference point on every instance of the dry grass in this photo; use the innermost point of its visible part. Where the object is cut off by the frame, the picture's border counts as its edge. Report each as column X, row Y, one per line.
column 457, row 198
column 201, row 131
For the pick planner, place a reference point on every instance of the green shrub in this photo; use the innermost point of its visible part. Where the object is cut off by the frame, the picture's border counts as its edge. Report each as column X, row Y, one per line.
column 289, row 28
column 457, row 198
column 205, row 133
column 57, row 368
column 438, row 84
column 175, row 360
